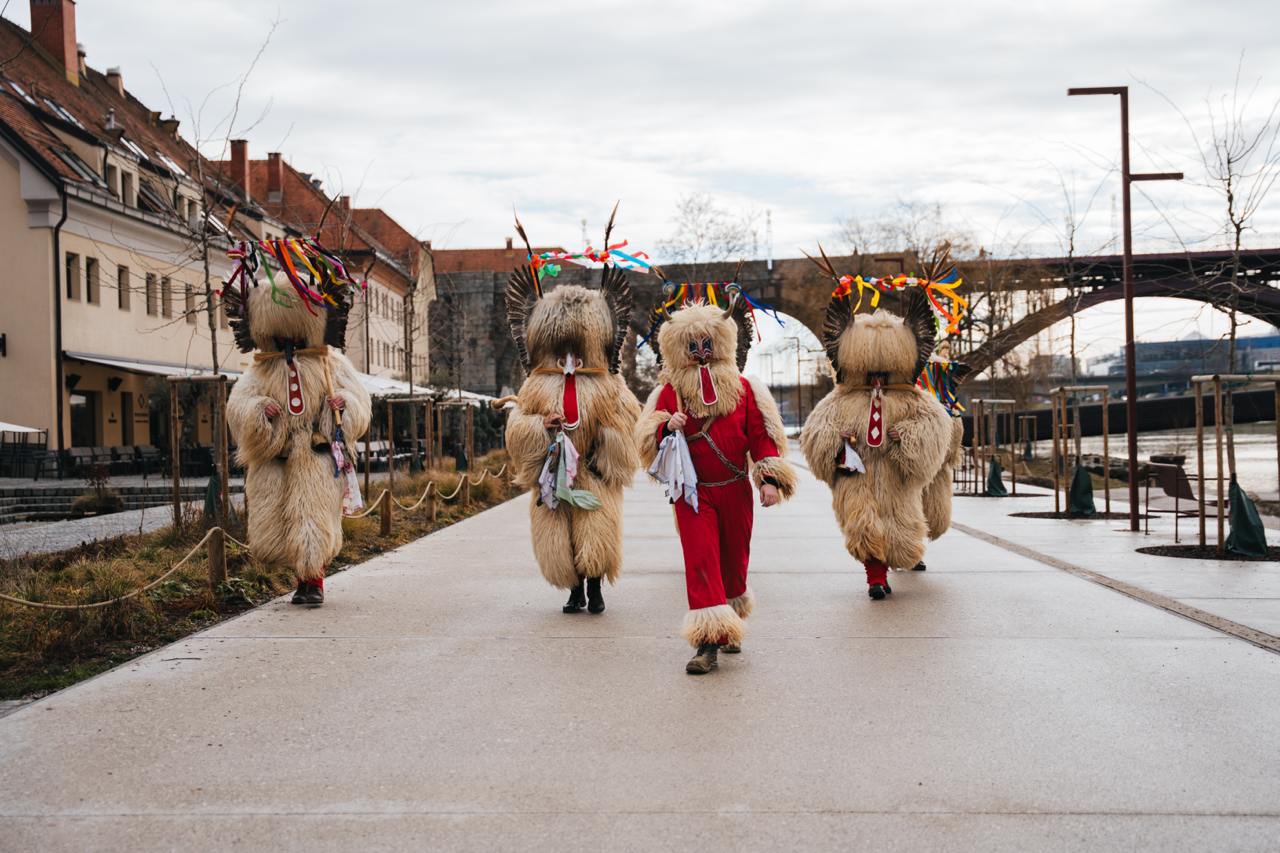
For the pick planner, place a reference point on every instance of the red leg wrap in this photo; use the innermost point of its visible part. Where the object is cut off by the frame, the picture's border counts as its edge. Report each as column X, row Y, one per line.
column 877, row 572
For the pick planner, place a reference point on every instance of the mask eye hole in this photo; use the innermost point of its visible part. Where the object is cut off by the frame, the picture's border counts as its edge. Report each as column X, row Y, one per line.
column 693, row 346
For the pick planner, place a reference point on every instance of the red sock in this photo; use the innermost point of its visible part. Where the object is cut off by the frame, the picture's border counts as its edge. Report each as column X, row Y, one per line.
column 877, row 572
column 318, row 583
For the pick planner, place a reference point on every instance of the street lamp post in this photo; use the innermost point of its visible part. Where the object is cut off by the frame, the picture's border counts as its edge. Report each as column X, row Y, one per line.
column 1130, row 362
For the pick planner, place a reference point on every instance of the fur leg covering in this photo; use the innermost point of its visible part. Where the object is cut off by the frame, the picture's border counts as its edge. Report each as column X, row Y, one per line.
column 718, row 624
column 744, row 604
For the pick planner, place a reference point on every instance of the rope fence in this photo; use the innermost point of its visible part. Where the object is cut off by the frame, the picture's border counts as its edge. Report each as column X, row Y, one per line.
column 216, row 538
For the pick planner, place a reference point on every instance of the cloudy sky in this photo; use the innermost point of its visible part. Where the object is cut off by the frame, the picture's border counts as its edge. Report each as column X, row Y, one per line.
column 448, row 114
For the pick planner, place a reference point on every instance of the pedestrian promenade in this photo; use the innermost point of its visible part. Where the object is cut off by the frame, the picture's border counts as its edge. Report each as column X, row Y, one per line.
column 441, row 700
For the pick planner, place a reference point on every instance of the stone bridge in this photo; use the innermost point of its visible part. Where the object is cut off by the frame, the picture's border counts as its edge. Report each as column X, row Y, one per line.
column 471, row 343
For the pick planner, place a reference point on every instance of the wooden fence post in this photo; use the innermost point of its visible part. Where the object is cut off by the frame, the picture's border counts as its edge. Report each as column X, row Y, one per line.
column 385, row 514
column 217, row 557
column 466, row 489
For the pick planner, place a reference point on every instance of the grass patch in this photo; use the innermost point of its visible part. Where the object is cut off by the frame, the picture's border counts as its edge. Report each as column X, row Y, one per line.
column 46, row 650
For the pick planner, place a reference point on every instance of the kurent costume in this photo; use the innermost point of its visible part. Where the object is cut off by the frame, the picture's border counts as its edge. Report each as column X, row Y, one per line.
column 295, row 406
column 733, row 437
column 882, row 443
column 570, row 341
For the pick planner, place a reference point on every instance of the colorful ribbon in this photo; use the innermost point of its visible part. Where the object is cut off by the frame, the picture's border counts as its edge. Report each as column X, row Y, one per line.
column 938, row 378
column 939, row 291
column 326, row 277
column 542, row 263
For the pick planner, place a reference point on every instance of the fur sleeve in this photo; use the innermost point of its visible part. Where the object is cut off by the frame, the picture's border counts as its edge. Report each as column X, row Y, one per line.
column 614, row 455
column 652, row 417
column 925, row 444
column 820, row 440
column 359, row 408
column 258, row 438
column 527, row 441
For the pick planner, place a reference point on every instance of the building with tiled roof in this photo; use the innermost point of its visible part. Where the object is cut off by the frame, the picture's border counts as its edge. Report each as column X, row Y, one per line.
column 114, row 231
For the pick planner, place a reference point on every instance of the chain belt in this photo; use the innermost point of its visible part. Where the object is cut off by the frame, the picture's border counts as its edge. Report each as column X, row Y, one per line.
column 738, row 473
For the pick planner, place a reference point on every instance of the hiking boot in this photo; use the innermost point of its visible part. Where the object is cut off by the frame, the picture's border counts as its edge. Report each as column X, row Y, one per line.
column 731, row 649
column 315, row 595
column 878, row 591
column 577, row 598
column 300, row 594
column 919, row 567
column 595, row 601
column 704, row 661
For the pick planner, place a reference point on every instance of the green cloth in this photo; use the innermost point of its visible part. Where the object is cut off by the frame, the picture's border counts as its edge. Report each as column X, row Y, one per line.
column 581, row 498
column 1248, row 538
column 995, row 485
column 1080, row 497
column 211, row 492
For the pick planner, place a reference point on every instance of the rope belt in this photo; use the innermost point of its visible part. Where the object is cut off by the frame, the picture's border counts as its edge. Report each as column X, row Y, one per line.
column 260, row 356
column 556, row 371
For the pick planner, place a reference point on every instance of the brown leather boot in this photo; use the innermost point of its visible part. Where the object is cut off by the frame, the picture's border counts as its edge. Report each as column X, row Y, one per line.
column 704, row 661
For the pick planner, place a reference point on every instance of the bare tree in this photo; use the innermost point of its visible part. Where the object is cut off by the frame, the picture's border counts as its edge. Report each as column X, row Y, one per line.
column 706, row 233
column 1240, row 157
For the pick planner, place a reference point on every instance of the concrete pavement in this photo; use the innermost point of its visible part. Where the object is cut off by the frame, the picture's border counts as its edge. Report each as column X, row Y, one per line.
column 442, row 700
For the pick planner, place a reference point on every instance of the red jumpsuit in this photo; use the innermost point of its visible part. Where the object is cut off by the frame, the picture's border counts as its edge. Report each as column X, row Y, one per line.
column 716, row 539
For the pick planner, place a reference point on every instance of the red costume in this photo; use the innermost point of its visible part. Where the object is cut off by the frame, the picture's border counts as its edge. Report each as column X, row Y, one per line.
column 716, row 538
column 735, row 438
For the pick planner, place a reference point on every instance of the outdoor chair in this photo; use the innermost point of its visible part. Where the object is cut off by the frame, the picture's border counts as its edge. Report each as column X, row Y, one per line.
column 122, row 460
column 79, row 460
column 150, row 459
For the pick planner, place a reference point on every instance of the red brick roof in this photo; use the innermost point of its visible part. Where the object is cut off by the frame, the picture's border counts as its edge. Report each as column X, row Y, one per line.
column 88, row 106
column 482, row 260
column 400, row 244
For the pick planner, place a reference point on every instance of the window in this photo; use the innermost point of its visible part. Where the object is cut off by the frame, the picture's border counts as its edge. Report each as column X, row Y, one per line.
column 190, row 306
column 91, row 294
column 80, row 167
column 122, row 288
column 126, row 189
column 153, row 303
column 113, row 179
column 170, row 165
column 23, row 92
column 57, row 110
column 73, row 276
column 133, row 146
column 166, row 297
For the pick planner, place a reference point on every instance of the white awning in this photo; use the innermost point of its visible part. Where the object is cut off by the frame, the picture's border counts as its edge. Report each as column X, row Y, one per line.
column 8, row 427
column 157, row 368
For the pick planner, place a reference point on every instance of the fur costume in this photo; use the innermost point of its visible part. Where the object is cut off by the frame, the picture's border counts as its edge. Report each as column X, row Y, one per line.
column 904, row 492
column 570, row 343
column 294, row 496
column 735, row 438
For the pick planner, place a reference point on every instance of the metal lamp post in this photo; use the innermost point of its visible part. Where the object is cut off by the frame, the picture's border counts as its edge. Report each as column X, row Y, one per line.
column 1130, row 365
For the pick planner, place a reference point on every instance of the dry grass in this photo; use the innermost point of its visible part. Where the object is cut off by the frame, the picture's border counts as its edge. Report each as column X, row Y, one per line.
column 43, row 650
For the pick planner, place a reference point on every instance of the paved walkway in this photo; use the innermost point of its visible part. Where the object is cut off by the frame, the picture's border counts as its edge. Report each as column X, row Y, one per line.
column 43, row 537
column 441, row 700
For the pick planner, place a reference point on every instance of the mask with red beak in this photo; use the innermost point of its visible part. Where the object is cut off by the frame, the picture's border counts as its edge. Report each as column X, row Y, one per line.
column 702, row 349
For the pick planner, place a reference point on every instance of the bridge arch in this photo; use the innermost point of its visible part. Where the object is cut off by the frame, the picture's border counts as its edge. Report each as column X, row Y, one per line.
column 1255, row 299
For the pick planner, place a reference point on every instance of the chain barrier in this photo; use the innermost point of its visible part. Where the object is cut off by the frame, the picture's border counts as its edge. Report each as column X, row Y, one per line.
column 229, row 538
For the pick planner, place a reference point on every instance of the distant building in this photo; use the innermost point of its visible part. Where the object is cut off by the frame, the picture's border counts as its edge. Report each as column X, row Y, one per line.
column 1198, row 356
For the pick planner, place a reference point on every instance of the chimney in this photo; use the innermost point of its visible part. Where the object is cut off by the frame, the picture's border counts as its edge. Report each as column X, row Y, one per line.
column 53, row 27
column 275, row 177
column 508, row 247
column 115, row 81
column 344, row 202
column 170, row 126
column 81, row 68
column 240, row 166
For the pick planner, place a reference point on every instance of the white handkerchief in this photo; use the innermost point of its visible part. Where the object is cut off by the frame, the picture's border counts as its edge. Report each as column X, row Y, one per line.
column 852, row 461
column 673, row 468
